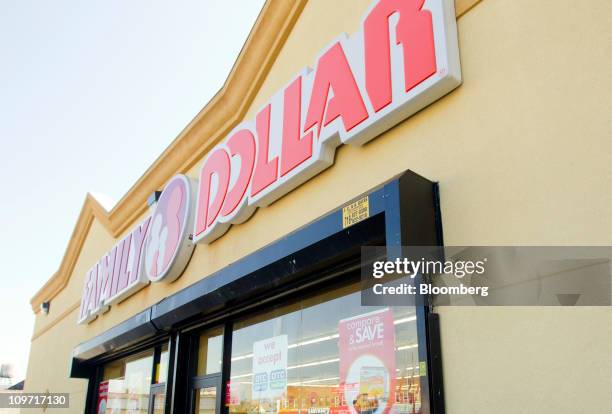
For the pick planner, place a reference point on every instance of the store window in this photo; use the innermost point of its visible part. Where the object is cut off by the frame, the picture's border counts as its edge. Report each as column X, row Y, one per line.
column 126, row 383
column 135, row 384
column 206, row 384
column 158, row 389
column 210, row 351
column 326, row 354
column 161, row 368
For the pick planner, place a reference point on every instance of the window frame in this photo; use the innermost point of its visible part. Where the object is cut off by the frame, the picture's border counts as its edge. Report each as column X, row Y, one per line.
column 404, row 211
column 216, row 379
column 154, row 388
column 157, row 388
column 344, row 274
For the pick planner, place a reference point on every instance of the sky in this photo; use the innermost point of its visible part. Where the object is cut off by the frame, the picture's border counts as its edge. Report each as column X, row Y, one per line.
column 91, row 93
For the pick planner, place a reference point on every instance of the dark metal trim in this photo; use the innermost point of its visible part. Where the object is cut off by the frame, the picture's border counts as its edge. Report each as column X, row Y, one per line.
column 129, row 332
column 154, row 391
column 179, row 401
column 205, row 380
column 158, row 388
column 410, row 220
column 91, row 401
column 169, row 377
column 404, row 211
column 226, row 365
column 212, row 380
column 435, row 363
column 322, row 242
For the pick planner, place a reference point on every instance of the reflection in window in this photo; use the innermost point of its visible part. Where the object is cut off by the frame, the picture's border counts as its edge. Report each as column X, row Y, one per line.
column 127, row 382
column 210, row 351
column 326, row 355
column 161, row 369
column 159, row 403
column 206, row 400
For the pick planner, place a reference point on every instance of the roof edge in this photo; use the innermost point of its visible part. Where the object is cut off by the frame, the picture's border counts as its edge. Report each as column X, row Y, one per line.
column 224, row 111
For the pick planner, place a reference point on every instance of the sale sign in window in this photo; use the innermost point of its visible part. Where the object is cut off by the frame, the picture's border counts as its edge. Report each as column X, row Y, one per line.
column 102, row 397
column 367, row 362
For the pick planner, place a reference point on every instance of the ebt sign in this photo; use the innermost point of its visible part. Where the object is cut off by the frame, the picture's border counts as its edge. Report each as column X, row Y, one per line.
column 404, row 58
column 157, row 249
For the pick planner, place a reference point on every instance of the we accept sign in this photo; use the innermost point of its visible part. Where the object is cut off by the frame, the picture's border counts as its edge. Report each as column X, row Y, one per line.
column 270, row 368
column 404, row 57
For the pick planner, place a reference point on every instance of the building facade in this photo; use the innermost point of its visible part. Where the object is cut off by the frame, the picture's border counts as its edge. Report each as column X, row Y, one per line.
column 227, row 278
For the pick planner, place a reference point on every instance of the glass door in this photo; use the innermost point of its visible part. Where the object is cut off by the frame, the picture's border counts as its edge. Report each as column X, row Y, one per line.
column 205, row 385
column 135, row 384
column 207, row 395
column 157, row 400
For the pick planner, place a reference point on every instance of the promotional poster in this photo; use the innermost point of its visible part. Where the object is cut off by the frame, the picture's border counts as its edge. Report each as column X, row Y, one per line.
column 102, row 397
column 367, row 362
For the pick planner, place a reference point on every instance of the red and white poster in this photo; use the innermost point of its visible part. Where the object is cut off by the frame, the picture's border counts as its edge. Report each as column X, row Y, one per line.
column 367, row 362
column 102, row 397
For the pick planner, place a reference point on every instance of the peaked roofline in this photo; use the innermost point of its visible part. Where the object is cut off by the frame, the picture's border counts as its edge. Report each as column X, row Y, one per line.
column 224, row 111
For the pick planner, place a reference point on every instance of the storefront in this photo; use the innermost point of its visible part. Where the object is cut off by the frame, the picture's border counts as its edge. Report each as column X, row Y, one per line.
column 227, row 279
column 282, row 329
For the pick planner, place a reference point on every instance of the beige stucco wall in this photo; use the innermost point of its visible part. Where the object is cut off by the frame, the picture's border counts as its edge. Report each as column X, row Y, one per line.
column 523, row 154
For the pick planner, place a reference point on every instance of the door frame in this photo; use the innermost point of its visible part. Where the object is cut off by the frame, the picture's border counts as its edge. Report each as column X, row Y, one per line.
column 205, row 381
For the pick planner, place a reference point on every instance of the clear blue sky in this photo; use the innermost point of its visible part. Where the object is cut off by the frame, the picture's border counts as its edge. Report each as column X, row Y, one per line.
column 91, row 92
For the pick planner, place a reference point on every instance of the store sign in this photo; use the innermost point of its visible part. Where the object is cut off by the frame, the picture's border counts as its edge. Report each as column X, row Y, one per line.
column 157, row 249
column 270, row 368
column 404, row 58
column 168, row 248
column 367, row 362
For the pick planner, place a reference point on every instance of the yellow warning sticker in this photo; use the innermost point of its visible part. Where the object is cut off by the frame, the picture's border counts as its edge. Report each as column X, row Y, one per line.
column 355, row 212
column 422, row 368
